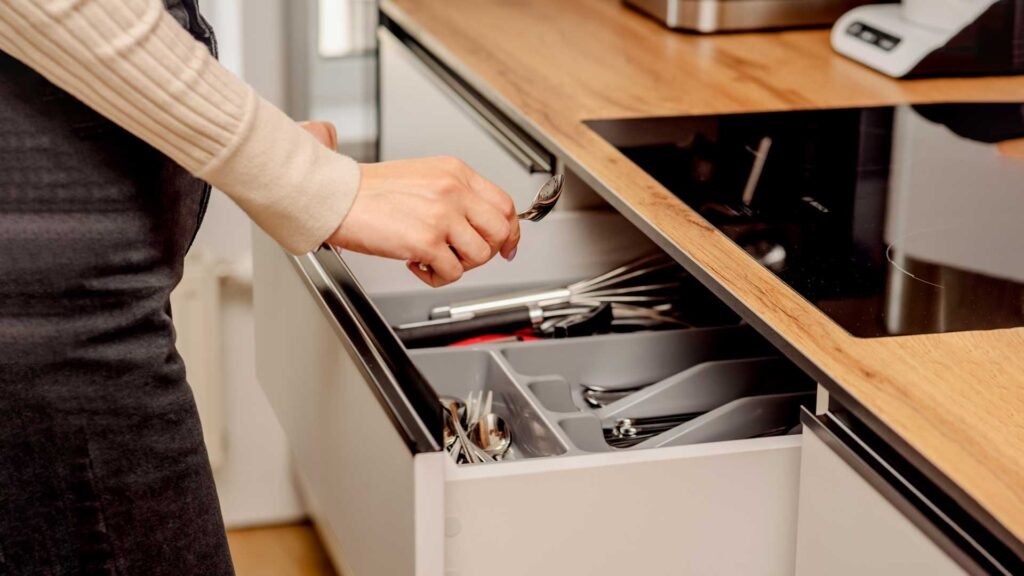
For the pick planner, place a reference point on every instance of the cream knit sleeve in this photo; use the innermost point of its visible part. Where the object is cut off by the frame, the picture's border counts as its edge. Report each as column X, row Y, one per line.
column 133, row 63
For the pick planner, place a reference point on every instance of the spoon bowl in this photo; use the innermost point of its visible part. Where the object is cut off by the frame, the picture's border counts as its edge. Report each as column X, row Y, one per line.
column 545, row 199
column 493, row 435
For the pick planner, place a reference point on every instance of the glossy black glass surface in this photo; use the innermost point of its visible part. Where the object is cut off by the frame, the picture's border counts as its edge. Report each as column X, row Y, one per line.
column 892, row 221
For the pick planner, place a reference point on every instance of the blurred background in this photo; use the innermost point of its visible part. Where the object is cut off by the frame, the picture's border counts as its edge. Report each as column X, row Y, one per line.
column 315, row 59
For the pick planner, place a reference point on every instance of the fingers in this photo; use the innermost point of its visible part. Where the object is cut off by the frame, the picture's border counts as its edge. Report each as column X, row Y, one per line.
column 473, row 250
column 489, row 225
column 443, row 267
column 501, row 201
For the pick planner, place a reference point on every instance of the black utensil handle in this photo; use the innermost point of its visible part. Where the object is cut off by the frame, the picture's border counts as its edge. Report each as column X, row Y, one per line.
column 597, row 321
column 446, row 333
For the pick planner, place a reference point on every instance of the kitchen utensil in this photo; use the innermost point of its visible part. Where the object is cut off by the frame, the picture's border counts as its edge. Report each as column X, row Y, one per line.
column 472, row 453
column 519, row 336
column 627, row 284
column 596, row 321
column 473, row 408
column 492, row 434
column 460, row 405
column 629, row 431
column 545, row 199
column 543, row 202
column 599, row 396
column 553, row 322
column 445, row 331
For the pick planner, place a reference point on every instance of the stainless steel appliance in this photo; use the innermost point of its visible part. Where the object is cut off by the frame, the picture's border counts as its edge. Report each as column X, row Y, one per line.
column 735, row 15
column 935, row 37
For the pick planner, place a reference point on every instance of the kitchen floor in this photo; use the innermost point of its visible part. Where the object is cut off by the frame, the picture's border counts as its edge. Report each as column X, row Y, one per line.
column 279, row 551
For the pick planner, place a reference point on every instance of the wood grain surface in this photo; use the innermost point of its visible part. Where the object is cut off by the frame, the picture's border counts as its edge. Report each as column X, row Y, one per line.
column 292, row 550
column 955, row 400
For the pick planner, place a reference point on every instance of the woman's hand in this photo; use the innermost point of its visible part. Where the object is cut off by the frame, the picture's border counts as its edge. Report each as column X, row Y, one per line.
column 435, row 211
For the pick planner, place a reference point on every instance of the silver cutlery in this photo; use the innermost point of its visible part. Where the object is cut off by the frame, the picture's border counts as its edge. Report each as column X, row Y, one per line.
column 493, row 435
column 545, row 199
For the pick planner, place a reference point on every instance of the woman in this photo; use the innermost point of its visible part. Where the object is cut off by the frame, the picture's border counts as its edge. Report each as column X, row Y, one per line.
column 112, row 112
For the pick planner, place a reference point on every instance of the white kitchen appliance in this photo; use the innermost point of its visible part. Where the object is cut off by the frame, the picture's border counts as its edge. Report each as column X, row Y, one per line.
column 935, row 37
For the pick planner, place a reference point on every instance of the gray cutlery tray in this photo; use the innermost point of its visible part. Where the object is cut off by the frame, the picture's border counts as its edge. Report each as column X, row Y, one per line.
column 731, row 375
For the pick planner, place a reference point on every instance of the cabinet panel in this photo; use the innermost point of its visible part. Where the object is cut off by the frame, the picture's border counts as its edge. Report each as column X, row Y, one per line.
column 847, row 528
column 722, row 508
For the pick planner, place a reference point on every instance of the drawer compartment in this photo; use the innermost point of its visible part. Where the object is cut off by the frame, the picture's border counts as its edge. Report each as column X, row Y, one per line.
column 565, row 500
column 457, row 373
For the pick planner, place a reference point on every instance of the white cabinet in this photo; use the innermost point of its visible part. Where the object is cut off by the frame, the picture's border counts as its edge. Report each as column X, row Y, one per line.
column 847, row 528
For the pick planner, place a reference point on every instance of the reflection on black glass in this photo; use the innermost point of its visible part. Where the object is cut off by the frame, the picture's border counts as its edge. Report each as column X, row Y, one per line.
column 826, row 198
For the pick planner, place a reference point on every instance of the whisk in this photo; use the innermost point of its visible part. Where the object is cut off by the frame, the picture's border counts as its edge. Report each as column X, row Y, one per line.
column 649, row 283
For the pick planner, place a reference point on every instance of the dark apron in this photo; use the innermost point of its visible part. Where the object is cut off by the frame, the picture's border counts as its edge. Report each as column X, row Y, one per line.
column 102, row 464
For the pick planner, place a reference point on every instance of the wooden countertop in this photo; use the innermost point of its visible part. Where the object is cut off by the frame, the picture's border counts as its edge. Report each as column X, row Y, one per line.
column 952, row 403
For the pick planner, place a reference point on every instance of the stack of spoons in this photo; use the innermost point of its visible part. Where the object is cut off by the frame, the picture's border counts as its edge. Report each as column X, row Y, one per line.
column 473, row 432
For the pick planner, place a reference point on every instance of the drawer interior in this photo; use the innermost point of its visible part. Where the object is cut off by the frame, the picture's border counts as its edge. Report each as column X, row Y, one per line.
column 682, row 387
column 714, row 380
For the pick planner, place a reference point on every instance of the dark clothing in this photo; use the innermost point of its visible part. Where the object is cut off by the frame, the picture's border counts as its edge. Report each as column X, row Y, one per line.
column 102, row 464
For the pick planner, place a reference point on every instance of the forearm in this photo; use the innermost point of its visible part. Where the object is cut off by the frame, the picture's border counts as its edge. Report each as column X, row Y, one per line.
column 130, row 61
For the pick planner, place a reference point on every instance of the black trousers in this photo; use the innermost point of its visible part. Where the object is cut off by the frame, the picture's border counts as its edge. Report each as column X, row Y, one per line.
column 102, row 464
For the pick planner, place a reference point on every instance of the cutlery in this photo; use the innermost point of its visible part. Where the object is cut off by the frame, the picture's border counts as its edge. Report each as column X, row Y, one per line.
column 492, row 434
column 471, row 452
column 599, row 397
column 545, row 199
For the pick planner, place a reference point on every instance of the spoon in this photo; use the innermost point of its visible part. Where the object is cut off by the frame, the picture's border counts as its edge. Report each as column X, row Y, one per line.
column 543, row 203
column 449, row 431
column 453, row 410
column 459, row 404
column 493, row 435
column 545, row 199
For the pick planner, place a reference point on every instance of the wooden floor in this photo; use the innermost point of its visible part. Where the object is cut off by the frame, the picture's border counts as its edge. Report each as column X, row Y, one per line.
column 279, row 551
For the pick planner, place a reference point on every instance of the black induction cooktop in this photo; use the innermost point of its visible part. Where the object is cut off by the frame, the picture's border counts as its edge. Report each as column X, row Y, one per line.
column 891, row 220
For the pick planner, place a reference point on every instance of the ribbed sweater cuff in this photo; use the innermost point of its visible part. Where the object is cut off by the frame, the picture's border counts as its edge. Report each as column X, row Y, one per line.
column 306, row 195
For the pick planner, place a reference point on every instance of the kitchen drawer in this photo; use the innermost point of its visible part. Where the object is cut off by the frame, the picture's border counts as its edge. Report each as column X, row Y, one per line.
column 425, row 110
column 363, row 419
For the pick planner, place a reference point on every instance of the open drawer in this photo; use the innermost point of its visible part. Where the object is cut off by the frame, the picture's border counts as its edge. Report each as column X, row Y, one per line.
column 707, row 495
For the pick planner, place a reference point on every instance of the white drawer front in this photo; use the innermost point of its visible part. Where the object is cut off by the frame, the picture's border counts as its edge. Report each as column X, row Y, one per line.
column 847, row 528
column 725, row 508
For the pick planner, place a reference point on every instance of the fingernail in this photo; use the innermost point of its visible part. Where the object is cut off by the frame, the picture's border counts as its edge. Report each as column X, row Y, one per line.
column 512, row 254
